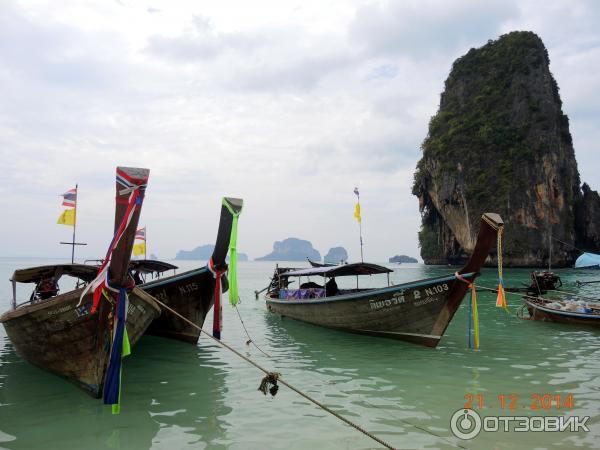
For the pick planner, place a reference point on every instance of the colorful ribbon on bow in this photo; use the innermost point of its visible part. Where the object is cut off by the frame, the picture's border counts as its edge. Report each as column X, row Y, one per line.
column 501, row 299
column 119, row 349
column 473, row 330
column 101, row 281
column 232, row 273
column 473, row 319
column 100, row 286
column 217, row 308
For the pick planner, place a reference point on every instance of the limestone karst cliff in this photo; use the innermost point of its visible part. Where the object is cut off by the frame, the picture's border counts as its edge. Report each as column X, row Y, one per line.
column 500, row 142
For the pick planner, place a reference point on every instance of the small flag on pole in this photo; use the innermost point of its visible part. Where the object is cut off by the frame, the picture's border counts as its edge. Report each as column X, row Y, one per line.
column 67, row 218
column 139, row 249
column 70, row 201
column 70, row 198
column 357, row 209
column 357, row 213
column 141, row 234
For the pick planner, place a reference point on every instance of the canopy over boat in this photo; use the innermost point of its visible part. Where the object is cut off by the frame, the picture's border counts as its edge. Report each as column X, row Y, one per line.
column 150, row 266
column 36, row 274
column 339, row 271
column 587, row 260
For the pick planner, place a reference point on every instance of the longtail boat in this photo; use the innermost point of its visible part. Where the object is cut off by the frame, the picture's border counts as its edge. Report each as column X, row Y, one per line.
column 79, row 334
column 192, row 293
column 417, row 312
column 567, row 311
column 318, row 264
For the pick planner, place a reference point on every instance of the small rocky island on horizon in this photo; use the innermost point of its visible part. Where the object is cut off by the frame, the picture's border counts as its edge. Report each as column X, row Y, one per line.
column 336, row 255
column 203, row 253
column 403, row 259
column 292, row 249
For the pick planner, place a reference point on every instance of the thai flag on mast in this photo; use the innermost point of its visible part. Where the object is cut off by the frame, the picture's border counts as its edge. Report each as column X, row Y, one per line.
column 141, row 234
column 70, row 198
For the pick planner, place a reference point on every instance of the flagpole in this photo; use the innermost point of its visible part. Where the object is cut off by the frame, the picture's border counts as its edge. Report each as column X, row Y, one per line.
column 145, row 242
column 360, row 234
column 74, row 224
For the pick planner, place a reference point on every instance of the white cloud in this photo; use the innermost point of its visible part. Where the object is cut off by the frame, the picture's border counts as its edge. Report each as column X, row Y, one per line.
column 287, row 105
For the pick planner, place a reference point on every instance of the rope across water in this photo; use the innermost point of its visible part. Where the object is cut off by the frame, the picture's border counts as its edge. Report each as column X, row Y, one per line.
column 279, row 379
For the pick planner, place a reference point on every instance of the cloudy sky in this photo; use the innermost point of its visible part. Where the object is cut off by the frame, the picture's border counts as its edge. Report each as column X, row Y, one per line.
column 286, row 104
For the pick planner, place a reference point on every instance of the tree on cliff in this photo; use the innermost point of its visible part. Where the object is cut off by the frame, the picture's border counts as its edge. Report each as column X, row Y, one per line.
column 500, row 143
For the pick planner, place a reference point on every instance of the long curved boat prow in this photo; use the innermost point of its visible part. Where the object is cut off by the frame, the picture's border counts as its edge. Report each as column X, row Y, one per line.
column 417, row 312
column 192, row 293
column 61, row 333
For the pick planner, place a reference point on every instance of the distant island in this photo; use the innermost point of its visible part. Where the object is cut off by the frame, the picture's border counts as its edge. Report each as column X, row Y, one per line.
column 203, row 253
column 402, row 259
column 292, row 249
column 335, row 255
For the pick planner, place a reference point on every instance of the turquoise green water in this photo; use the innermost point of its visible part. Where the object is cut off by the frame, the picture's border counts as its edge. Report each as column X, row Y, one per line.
column 177, row 396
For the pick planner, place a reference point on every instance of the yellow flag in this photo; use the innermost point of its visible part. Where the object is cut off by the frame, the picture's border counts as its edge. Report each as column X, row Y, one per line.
column 357, row 213
column 67, row 218
column 139, row 249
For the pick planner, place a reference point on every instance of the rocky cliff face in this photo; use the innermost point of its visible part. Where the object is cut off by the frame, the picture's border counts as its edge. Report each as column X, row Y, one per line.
column 588, row 220
column 501, row 143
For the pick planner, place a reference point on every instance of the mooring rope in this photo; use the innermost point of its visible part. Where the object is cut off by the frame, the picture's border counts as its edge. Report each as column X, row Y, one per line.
column 406, row 422
column 538, row 298
column 574, row 294
column 568, row 245
column 279, row 379
column 250, row 340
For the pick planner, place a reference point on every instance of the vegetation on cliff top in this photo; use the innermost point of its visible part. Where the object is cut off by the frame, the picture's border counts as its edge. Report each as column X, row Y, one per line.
column 477, row 111
column 500, row 113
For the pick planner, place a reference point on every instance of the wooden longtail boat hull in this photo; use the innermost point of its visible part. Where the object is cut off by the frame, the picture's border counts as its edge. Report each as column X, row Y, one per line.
column 541, row 313
column 416, row 312
column 67, row 340
column 191, row 294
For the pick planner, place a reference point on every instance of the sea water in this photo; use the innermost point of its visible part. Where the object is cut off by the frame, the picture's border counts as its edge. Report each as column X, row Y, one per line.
column 180, row 396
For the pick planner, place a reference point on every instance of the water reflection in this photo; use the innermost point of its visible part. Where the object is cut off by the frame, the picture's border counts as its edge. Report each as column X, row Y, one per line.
column 400, row 388
column 172, row 398
column 181, row 396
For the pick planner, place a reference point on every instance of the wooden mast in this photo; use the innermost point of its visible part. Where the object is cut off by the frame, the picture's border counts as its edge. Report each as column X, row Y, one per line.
column 73, row 243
